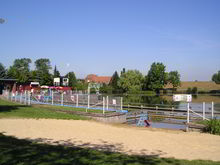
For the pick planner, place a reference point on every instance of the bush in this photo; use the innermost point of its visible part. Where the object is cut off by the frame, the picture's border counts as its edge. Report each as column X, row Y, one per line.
column 194, row 90
column 189, row 90
column 213, row 127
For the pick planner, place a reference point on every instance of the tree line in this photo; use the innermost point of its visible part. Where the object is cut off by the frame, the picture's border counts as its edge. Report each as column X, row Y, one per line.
column 130, row 81
column 133, row 81
column 20, row 70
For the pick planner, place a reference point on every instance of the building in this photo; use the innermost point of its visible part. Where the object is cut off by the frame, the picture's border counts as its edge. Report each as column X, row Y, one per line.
column 61, row 81
column 98, row 79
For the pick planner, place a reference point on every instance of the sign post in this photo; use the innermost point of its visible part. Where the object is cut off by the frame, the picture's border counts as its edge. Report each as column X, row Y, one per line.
column 184, row 98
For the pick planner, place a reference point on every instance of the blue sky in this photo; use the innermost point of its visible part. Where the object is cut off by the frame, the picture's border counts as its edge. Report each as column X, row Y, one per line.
column 103, row 36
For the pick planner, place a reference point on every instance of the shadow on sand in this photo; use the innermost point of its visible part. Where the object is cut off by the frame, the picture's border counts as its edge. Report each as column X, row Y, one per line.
column 24, row 151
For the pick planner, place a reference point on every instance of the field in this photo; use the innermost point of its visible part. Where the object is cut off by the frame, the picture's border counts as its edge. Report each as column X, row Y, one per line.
column 80, row 141
column 201, row 85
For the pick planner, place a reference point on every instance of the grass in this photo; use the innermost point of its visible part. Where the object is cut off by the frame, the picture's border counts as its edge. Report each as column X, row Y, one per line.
column 14, row 110
column 25, row 152
column 201, row 85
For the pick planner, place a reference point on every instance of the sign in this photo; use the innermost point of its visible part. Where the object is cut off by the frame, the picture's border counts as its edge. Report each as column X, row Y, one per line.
column 72, row 98
column 113, row 101
column 186, row 98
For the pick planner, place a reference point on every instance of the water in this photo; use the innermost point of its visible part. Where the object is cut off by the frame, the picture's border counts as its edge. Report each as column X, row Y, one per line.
column 168, row 126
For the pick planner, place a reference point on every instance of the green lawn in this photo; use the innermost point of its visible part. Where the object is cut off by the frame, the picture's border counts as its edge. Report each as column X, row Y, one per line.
column 15, row 151
column 14, row 110
column 25, row 152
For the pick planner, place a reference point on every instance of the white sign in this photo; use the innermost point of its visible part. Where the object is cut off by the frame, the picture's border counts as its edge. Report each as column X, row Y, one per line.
column 113, row 101
column 186, row 98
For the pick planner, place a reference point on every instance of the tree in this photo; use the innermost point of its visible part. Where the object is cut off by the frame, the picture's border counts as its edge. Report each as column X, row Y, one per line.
column 2, row 71
column 56, row 73
column 131, row 81
column 123, row 71
column 20, row 70
column 174, row 79
column 157, row 77
column 216, row 77
column 43, row 71
column 72, row 79
column 114, row 82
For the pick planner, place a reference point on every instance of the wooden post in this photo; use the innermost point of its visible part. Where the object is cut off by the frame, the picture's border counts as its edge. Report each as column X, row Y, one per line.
column 203, row 111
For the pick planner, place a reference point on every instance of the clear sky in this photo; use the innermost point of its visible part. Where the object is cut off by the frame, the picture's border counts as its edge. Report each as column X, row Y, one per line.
column 103, row 36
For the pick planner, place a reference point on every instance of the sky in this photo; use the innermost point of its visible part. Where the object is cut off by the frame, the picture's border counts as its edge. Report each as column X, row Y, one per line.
column 104, row 36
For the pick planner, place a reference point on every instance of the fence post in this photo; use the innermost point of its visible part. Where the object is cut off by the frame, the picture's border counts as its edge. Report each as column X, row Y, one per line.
column 212, row 110
column 103, row 105
column 21, row 97
column 16, row 93
column 77, row 100
column 107, row 102
column 121, row 103
column 8, row 94
column 52, row 97
column 11, row 97
column 203, row 111
column 187, row 127
column 25, row 97
column 29, row 98
column 88, row 100
column 62, row 98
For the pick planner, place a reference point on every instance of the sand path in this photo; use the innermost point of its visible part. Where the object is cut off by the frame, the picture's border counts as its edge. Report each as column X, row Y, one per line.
column 128, row 140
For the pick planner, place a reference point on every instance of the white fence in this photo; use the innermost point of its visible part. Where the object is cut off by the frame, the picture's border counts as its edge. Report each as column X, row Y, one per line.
column 91, row 101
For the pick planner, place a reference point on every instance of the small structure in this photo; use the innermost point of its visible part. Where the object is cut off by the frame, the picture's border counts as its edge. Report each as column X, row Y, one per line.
column 61, row 81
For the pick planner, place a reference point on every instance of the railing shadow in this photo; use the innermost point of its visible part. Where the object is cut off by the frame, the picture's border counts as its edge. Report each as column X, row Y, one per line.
column 8, row 108
column 24, row 151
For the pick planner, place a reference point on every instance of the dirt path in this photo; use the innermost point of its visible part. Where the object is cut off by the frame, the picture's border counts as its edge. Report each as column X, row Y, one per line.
column 128, row 140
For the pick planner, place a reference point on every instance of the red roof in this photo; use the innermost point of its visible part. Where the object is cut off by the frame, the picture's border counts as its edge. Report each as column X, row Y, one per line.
column 98, row 79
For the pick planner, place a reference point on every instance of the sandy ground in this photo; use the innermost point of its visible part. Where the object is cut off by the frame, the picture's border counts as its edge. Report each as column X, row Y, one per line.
column 128, row 140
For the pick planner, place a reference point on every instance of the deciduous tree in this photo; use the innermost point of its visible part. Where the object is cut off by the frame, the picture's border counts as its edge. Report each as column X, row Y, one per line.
column 131, row 81
column 157, row 77
column 174, row 79
column 216, row 77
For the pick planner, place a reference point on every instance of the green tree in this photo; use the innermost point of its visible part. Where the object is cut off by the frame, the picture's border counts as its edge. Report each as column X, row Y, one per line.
column 114, row 82
column 20, row 70
column 106, row 89
column 216, row 77
column 131, row 81
column 56, row 73
column 81, row 86
column 43, row 71
column 157, row 77
column 72, row 79
column 174, row 79
column 123, row 71
column 3, row 71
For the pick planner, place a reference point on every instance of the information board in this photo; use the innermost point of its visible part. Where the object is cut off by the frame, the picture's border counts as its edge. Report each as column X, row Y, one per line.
column 185, row 98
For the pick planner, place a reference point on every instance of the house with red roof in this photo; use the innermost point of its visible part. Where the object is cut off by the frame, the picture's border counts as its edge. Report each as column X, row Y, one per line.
column 98, row 79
